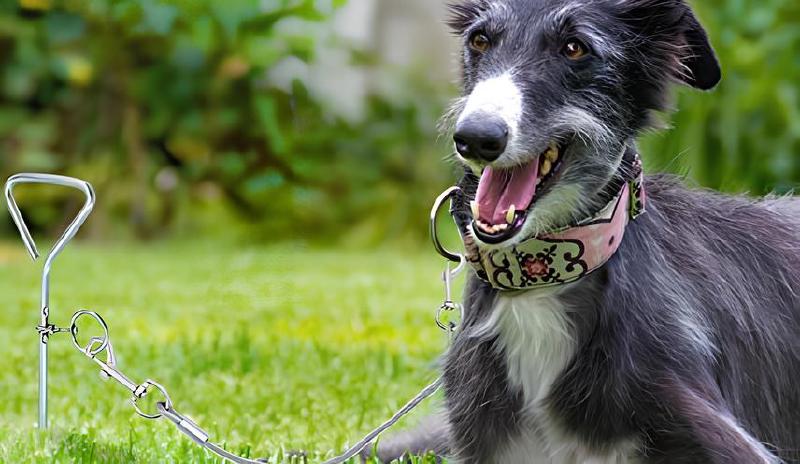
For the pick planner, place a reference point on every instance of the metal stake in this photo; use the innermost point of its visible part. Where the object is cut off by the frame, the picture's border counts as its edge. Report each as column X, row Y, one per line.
column 46, row 329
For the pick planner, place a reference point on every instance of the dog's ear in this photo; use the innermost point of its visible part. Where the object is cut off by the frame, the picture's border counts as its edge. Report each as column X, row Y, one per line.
column 670, row 28
column 463, row 14
column 704, row 70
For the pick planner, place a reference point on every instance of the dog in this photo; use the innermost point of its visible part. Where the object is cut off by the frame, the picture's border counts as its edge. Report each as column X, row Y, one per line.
column 679, row 343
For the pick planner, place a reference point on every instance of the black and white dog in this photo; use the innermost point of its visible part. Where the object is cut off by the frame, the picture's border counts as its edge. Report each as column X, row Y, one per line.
column 679, row 343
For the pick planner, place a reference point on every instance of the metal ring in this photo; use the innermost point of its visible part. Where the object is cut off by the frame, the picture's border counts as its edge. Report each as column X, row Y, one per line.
column 73, row 329
column 142, row 391
column 449, row 306
column 437, row 205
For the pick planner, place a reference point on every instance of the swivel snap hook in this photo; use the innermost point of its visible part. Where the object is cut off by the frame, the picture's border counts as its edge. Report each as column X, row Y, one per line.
column 450, row 306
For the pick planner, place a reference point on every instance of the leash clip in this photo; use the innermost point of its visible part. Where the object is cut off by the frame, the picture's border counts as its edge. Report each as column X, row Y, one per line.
column 98, row 344
column 450, row 306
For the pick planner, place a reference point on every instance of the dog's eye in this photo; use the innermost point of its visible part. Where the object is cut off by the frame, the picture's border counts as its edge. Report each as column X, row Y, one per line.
column 479, row 42
column 575, row 49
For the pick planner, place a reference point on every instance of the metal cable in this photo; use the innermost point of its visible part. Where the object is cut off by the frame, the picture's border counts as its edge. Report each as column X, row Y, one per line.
column 199, row 436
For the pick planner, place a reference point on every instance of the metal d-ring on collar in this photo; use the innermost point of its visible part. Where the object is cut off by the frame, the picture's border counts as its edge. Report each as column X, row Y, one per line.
column 434, row 231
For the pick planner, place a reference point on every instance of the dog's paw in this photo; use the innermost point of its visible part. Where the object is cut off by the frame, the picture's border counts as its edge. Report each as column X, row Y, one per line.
column 430, row 438
column 379, row 454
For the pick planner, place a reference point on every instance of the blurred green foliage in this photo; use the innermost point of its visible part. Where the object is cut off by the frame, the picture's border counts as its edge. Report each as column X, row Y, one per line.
column 745, row 135
column 169, row 108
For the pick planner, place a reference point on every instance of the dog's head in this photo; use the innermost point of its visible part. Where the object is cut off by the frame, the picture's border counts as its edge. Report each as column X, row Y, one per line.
column 554, row 90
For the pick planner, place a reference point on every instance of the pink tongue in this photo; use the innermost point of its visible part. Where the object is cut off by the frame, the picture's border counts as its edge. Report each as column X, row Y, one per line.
column 500, row 189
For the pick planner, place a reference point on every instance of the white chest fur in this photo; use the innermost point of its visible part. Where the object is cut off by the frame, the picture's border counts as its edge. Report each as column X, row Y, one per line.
column 533, row 329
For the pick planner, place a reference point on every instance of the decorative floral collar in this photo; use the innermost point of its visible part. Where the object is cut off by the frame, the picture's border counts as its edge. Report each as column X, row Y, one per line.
column 566, row 255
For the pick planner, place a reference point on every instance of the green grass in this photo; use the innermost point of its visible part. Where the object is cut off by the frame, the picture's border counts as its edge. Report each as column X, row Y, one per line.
column 273, row 349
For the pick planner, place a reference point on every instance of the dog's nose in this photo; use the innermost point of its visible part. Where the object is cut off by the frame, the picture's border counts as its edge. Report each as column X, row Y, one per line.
column 481, row 138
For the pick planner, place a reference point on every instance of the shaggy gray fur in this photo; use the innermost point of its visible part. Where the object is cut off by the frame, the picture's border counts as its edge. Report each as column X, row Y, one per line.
column 688, row 339
column 697, row 266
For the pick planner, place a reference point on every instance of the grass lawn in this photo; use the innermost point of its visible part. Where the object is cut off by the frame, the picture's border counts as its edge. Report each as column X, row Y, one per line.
column 272, row 349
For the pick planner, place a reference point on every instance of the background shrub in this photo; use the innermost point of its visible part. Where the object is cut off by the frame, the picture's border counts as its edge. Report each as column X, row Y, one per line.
column 169, row 108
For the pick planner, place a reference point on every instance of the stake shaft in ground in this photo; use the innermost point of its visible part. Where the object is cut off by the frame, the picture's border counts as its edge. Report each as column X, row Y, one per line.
column 42, row 384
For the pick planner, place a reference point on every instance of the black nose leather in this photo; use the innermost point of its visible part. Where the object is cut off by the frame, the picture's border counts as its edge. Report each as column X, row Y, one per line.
column 481, row 138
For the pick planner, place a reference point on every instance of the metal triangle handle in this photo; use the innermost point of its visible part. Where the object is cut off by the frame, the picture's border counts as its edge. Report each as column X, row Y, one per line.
column 71, row 231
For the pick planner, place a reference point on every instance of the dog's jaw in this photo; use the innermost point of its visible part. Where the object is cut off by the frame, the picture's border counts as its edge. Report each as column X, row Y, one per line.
column 563, row 200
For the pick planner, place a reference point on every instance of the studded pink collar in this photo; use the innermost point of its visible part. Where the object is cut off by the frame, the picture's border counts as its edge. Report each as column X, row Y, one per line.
column 565, row 255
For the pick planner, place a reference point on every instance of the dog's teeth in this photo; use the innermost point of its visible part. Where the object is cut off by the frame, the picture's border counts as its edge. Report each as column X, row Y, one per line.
column 546, row 167
column 502, row 227
column 511, row 214
column 551, row 155
column 476, row 211
column 538, row 181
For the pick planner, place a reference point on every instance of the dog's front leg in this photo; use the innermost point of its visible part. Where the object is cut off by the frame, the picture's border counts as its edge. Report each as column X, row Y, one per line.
column 717, row 432
column 431, row 436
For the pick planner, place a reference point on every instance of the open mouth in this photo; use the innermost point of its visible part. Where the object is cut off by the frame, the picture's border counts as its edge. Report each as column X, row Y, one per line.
column 505, row 196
